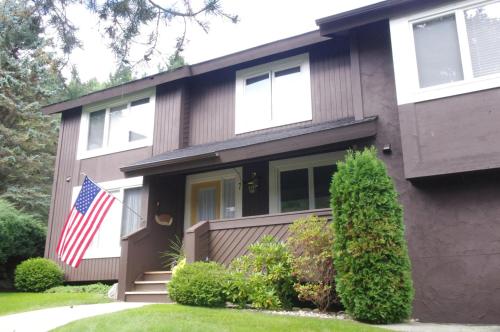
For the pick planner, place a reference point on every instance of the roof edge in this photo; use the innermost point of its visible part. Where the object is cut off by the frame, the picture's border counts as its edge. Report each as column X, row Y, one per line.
column 260, row 51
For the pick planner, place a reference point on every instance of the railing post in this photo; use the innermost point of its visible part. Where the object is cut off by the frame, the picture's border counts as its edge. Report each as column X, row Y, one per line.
column 197, row 242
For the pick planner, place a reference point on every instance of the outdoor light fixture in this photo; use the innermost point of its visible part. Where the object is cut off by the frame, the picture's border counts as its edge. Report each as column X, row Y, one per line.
column 387, row 149
column 253, row 183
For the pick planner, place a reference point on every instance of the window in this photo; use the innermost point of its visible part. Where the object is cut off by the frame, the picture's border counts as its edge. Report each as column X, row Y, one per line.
column 121, row 220
column 212, row 196
column 303, row 183
column 446, row 51
column 274, row 94
column 117, row 126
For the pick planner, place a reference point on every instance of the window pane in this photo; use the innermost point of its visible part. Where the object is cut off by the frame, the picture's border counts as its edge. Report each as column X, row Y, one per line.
column 229, row 199
column 289, row 97
column 483, row 30
column 322, row 180
column 96, row 129
column 131, row 210
column 118, row 132
column 206, row 204
column 256, row 102
column 438, row 51
column 137, row 119
column 107, row 239
column 294, row 190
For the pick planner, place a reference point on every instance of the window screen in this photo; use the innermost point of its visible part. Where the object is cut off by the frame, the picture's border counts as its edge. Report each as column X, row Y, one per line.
column 96, row 129
column 131, row 221
column 483, row 31
column 294, row 190
column 322, row 181
column 437, row 50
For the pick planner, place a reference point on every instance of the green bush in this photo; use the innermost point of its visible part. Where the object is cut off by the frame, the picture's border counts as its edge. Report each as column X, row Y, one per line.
column 21, row 237
column 38, row 275
column 370, row 253
column 97, row 288
column 199, row 284
column 310, row 244
column 263, row 277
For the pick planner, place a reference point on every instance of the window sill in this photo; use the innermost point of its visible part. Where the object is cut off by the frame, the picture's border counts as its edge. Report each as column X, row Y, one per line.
column 450, row 89
column 106, row 151
column 109, row 254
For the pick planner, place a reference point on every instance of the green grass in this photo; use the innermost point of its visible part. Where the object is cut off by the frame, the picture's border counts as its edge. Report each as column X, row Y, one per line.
column 172, row 317
column 18, row 302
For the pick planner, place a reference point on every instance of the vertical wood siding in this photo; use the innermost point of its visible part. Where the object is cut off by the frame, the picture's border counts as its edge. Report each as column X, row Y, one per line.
column 168, row 132
column 68, row 166
column 212, row 96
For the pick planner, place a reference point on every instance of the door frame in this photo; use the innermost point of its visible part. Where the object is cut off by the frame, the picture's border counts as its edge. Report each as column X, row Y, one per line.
column 229, row 173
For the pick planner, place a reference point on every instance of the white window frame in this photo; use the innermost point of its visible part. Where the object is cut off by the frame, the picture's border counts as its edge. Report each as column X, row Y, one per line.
column 405, row 60
column 301, row 60
column 83, row 153
column 220, row 175
column 121, row 185
column 306, row 162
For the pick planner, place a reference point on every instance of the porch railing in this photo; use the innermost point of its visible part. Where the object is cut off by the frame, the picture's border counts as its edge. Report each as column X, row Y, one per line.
column 224, row 240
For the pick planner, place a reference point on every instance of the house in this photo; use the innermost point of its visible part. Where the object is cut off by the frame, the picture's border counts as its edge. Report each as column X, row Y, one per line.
column 242, row 145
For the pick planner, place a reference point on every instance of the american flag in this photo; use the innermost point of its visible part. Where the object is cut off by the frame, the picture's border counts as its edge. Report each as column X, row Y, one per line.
column 84, row 219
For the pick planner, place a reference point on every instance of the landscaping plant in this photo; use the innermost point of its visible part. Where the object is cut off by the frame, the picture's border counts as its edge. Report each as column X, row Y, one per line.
column 21, row 237
column 370, row 253
column 310, row 244
column 199, row 284
column 38, row 275
column 263, row 277
column 97, row 288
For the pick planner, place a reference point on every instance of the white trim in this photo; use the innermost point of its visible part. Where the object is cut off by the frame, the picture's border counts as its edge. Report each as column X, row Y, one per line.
column 309, row 162
column 405, row 63
column 115, row 185
column 301, row 60
column 83, row 153
column 229, row 173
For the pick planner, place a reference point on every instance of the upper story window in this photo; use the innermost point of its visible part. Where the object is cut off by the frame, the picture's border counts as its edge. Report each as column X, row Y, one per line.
column 447, row 51
column 117, row 125
column 273, row 94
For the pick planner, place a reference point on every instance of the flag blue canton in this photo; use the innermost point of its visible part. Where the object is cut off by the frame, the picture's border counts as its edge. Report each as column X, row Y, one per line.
column 87, row 195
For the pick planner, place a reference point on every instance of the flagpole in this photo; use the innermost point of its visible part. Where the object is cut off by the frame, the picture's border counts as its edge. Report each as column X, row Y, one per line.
column 119, row 200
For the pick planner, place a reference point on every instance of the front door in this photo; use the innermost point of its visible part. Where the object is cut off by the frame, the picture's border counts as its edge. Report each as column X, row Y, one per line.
column 205, row 201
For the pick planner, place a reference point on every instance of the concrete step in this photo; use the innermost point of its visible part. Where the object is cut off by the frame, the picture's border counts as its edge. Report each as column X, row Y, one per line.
column 151, row 297
column 157, row 275
column 150, row 286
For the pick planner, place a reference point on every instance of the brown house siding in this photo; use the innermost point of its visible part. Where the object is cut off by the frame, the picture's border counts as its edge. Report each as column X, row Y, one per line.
column 68, row 166
column 451, row 135
column 212, row 96
column 452, row 227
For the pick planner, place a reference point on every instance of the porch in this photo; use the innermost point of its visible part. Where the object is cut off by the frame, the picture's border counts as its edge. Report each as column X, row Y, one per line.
column 221, row 201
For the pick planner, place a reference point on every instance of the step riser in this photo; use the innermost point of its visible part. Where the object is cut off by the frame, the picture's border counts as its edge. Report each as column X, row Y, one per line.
column 150, row 287
column 151, row 298
column 156, row 277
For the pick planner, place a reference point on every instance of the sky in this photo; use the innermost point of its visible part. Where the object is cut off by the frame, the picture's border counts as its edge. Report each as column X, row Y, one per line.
column 261, row 21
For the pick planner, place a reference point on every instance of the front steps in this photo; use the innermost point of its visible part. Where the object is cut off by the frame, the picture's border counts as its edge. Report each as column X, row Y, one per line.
column 151, row 287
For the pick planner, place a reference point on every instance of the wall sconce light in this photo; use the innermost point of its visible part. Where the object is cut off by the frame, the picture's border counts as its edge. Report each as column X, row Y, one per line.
column 387, row 149
column 253, row 183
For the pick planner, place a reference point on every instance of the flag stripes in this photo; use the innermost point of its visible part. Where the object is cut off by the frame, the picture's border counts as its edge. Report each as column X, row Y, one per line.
column 83, row 222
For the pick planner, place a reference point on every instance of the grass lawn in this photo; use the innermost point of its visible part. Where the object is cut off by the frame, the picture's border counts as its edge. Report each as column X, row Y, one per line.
column 17, row 302
column 172, row 317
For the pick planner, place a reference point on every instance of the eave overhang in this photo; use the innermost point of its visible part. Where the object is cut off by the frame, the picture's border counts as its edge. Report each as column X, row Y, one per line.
column 255, row 146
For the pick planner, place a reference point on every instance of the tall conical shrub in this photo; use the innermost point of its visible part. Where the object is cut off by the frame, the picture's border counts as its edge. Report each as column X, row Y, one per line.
column 370, row 253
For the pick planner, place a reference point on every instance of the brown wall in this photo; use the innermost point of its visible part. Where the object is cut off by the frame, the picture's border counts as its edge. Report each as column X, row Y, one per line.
column 451, row 135
column 212, row 96
column 68, row 167
column 452, row 227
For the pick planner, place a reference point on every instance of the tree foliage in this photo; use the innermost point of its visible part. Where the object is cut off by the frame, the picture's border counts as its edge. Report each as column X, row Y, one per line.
column 28, row 78
column 124, row 21
column 370, row 253
column 21, row 237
